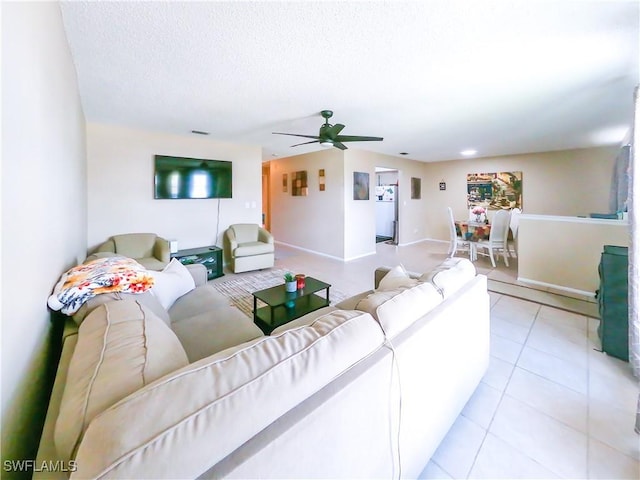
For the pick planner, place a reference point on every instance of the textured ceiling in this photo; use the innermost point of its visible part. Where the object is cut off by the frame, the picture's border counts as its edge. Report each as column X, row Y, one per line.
column 431, row 77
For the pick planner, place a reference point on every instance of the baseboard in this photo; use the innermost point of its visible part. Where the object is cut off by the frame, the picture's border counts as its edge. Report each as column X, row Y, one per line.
column 359, row 256
column 311, row 251
column 557, row 287
column 422, row 240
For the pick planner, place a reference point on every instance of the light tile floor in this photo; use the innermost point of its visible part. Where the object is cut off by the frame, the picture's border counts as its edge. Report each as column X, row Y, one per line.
column 550, row 405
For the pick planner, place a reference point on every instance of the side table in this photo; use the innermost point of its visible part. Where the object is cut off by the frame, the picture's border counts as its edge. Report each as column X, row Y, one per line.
column 210, row 257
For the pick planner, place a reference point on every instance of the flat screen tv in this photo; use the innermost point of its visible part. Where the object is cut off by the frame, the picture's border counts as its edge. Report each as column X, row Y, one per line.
column 181, row 177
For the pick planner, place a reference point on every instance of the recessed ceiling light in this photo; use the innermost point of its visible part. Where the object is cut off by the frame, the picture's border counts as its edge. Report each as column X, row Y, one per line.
column 468, row 152
column 199, row 132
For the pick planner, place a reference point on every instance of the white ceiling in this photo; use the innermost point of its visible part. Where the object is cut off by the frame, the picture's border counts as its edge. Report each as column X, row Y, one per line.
column 431, row 77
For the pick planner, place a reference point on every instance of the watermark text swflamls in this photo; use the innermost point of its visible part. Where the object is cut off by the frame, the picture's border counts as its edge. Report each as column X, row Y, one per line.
column 44, row 466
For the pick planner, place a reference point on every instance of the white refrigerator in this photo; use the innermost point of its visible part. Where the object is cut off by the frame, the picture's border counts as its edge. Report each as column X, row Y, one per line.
column 386, row 211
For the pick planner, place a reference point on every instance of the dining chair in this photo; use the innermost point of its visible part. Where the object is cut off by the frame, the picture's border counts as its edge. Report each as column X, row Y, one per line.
column 514, row 221
column 497, row 238
column 457, row 242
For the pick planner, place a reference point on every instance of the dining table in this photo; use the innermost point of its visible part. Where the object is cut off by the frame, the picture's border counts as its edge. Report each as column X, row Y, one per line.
column 472, row 231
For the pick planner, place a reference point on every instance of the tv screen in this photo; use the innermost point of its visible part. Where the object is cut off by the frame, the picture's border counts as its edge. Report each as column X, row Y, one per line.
column 180, row 177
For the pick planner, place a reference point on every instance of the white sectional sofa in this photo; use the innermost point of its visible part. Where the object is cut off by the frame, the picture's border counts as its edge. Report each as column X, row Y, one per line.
column 365, row 389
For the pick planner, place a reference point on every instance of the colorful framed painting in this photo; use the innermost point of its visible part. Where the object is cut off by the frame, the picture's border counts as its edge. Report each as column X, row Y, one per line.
column 495, row 191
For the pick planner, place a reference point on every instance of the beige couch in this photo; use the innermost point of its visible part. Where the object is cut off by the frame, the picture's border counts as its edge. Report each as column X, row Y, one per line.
column 365, row 389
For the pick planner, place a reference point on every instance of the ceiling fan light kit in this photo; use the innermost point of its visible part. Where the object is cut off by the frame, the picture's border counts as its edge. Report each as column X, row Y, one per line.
column 329, row 135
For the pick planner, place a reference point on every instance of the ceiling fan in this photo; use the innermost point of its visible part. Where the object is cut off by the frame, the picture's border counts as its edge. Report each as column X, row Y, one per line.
column 329, row 135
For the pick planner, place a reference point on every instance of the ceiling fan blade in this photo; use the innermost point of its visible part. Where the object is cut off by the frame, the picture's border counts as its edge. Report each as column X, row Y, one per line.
column 339, row 145
column 305, row 143
column 353, row 138
column 296, row 135
column 335, row 130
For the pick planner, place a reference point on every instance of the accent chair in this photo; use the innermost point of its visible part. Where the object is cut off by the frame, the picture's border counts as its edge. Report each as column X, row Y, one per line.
column 248, row 246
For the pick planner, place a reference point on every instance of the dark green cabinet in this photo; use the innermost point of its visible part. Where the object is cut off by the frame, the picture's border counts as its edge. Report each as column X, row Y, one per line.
column 613, row 301
column 210, row 257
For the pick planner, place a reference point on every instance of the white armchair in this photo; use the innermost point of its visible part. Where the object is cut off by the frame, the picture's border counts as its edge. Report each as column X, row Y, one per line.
column 248, row 246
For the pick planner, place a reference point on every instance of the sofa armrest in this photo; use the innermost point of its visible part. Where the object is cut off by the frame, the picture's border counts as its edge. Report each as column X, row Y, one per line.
column 231, row 238
column 161, row 250
column 264, row 236
column 108, row 246
column 199, row 273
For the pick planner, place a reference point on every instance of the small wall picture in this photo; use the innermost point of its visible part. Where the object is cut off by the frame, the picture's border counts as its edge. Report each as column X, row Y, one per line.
column 416, row 184
column 321, row 179
column 285, row 182
column 360, row 186
column 299, row 187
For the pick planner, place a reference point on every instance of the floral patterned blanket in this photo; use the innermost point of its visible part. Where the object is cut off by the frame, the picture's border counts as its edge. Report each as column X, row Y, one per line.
column 104, row 275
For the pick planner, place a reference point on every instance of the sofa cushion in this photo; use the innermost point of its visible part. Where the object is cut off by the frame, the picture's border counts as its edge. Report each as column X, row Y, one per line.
column 397, row 309
column 305, row 320
column 220, row 402
column 146, row 298
column 198, row 300
column 248, row 249
column 450, row 275
column 214, row 329
column 351, row 302
column 151, row 263
column 245, row 232
column 395, row 278
column 171, row 283
column 122, row 346
column 135, row 245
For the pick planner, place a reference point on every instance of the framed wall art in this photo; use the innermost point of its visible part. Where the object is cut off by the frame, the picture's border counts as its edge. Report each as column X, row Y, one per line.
column 416, row 185
column 299, row 187
column 495, row 191
column 360, row 186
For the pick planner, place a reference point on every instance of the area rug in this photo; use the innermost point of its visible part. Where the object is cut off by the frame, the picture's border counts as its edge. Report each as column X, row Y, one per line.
column 239, row 290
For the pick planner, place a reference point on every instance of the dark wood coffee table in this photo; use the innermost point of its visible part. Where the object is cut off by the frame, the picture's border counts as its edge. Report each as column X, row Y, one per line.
column 282, row 306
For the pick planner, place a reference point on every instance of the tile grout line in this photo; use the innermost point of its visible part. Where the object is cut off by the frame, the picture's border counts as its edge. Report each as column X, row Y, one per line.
column 502, row 394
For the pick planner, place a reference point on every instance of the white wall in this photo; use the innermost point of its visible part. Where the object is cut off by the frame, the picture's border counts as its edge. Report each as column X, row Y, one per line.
column 569, row 182
column 314, row 222
column 359, row 215
column 120, row 181
column 332, row 222
column 411, row 212
column 571, row 249
column 43, row 207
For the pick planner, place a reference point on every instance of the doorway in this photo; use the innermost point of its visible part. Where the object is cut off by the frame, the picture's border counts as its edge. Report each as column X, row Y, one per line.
column 266, row 195
column 386, row 198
